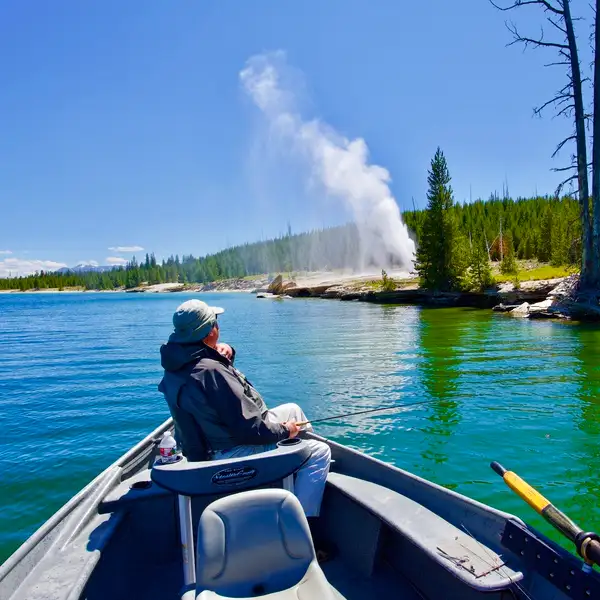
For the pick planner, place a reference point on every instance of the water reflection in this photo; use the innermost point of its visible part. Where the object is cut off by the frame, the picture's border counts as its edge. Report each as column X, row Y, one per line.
column 440, row 342
column 588, row 421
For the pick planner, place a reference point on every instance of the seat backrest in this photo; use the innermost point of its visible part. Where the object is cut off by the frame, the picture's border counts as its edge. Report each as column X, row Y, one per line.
column 219, row 477
column 253, row 543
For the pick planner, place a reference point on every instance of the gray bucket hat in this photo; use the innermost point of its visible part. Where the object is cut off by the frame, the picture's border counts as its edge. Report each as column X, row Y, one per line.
column 193, row 321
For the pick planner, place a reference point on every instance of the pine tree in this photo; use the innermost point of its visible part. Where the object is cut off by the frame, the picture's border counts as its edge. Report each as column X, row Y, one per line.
column 560, row 245
column 441, row 255
column 509, row 264
column 545, row 247
column 481, row 273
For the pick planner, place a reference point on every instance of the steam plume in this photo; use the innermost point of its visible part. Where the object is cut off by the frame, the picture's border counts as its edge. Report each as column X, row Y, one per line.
column 339, row 164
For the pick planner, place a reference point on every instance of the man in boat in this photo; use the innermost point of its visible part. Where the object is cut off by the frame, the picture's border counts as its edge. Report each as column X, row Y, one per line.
column 218, row 413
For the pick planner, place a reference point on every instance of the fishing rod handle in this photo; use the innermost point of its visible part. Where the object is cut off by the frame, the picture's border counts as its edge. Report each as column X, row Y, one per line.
column 521, row 488
column 542, row 505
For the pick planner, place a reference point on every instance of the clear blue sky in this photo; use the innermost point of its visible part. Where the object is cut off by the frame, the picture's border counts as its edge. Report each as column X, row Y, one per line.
column 124, row 124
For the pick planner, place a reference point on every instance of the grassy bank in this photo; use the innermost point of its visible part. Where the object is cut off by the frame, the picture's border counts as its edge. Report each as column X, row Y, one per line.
column 534, row 272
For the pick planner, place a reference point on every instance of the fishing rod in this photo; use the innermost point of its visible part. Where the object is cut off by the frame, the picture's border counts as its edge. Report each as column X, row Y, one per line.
column 364, row 412
column 586, row 542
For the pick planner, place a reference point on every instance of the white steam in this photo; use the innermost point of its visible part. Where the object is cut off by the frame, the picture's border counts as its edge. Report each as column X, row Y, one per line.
column 339, row 164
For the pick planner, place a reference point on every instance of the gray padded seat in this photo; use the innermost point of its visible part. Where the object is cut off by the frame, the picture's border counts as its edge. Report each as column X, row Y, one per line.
column 256, row 543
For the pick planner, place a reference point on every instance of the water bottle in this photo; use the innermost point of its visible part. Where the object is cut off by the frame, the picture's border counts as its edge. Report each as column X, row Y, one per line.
column 168, row 449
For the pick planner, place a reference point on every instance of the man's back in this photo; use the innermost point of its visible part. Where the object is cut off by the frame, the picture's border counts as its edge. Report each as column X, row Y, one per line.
column 212, row 404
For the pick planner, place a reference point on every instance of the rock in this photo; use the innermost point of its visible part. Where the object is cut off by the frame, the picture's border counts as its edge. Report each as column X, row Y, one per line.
column 528, row 291
column 335, row 291
column 276, row 286
column 541, row 307
column 566, row 288
column 308, row 292
column 521, row 311
column 541, row 314
column 505, row 307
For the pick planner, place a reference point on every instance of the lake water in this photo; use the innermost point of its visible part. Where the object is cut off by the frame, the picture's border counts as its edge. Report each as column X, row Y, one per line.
column 78, row 377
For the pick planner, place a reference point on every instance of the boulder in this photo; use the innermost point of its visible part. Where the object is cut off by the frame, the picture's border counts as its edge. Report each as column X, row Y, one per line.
column 541, row 307
column 276, row 286
column 521, row 311
column 504, row 307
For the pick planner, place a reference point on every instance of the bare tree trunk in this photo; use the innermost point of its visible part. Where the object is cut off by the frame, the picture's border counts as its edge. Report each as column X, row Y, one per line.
column 587, row 251
column 595, row 266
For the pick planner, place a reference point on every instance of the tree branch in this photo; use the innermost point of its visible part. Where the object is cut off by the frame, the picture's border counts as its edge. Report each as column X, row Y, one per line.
column 519, row 3
column 535, row 43
column 553, row 22
column 560, row 99
column 562, row 63
column 565, row 110
column 560, row 146
column 562, row 184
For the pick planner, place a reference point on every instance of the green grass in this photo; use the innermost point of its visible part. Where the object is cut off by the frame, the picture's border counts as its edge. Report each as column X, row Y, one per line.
column 539, row 272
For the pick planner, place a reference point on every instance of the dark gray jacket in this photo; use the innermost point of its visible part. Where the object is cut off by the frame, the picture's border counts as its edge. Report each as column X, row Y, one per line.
column 213, row 405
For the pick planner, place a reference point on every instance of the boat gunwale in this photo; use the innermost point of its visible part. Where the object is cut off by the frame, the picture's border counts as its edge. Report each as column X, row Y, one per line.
column 66, row 509
column 485, row 508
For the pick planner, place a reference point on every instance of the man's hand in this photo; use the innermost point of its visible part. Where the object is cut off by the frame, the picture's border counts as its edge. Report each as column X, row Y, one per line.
column 224, row 350
column 292, row 428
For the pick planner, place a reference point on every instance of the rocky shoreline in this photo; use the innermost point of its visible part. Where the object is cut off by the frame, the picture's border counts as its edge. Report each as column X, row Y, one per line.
column 530, row 291
column 541, row 299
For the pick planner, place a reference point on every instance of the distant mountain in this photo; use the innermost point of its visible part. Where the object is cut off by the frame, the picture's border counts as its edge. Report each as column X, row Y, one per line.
column 84, row 268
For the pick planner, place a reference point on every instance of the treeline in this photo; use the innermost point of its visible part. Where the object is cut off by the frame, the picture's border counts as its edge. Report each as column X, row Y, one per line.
column 543, row 228
column 457, row 243
column 325, row 249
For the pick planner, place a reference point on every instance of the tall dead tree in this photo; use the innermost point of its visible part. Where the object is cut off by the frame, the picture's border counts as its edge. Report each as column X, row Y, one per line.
column 568, row 102
column 596, row 150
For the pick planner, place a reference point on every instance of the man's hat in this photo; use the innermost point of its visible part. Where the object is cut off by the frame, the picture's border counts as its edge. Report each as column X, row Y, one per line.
column 193, row 321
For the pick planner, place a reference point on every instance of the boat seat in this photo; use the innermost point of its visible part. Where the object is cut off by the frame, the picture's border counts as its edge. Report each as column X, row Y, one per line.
column 466, row 558
column 217, row 477
column 258, row 543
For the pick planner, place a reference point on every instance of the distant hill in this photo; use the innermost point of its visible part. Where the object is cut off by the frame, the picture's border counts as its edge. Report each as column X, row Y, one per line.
column 84, row 268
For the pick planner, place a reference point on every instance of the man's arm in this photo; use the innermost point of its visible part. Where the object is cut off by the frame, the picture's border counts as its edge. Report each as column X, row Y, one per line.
column 226, row 394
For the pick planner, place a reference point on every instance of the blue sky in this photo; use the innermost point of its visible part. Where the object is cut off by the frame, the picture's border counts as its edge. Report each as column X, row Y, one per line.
column 124, row 124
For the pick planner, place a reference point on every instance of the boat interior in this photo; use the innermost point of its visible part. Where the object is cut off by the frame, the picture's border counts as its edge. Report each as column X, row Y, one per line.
column 234, row 529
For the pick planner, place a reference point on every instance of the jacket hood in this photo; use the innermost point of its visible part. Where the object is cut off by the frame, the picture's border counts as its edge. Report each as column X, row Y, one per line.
column 174, row 356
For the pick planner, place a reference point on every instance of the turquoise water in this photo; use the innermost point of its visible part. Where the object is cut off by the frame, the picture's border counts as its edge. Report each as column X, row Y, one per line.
column 78, row 376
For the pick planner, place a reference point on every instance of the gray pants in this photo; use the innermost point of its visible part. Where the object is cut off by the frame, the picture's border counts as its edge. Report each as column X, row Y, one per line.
column 311, row 477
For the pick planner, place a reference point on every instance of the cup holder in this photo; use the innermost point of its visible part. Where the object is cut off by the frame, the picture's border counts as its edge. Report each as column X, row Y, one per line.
column 290, row 442
column 141, row 485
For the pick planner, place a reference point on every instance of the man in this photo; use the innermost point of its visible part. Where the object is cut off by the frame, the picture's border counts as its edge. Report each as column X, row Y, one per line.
column 218, row 413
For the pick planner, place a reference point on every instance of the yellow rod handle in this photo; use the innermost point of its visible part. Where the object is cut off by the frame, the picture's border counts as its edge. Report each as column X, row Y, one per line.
column 525, row 491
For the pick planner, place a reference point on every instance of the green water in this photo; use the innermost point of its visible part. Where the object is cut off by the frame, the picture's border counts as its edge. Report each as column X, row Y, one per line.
column 78, row 375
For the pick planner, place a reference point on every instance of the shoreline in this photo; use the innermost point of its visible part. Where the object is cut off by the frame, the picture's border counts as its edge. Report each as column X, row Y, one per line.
column 536, row 299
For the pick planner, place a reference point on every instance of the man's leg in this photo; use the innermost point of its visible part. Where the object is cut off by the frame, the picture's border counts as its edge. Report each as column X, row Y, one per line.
column 312, row 476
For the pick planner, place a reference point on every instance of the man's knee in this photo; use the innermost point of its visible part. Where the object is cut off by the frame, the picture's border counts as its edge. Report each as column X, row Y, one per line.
column 320, row 451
